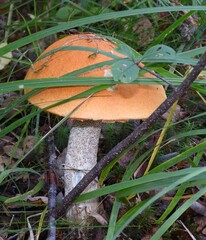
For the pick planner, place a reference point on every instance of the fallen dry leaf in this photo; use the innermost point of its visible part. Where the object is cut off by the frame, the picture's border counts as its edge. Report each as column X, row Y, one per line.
column 145, row 29
column 5, row 161
column 29, row 142
column 201, row 225
column 150, row 234
column 100, row 219
column 6, row 59
column 12, row 152
column 37, row 200
column 178, row 114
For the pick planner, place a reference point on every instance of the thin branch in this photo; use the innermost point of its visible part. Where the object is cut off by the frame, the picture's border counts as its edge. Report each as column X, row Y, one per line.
column 158, row 76
column 133, row 137
column 52, row 187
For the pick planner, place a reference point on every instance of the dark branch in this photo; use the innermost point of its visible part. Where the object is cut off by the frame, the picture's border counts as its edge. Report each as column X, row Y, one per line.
column 158, row 76
column 140, row 131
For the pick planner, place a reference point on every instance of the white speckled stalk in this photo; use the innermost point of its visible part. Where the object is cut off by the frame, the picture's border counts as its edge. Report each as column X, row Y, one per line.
column 80, row 158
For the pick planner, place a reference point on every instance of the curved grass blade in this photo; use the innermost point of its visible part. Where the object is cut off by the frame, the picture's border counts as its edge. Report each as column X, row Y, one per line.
column 81, row 48
column 186, row 154
column 17, row 101
column 131, row 214
column 145, row 183
column 172, row 204
column 31, row 192
column 7, row 172
column 171, row 28
column 19, row 122
column 192, row 53
column 162, row 134
column 113, row 219
column 82, row 81
column 94, row 19
column 177, row 214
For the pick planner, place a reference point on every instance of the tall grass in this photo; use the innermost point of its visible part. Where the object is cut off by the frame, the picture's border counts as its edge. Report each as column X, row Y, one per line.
column 160, row 177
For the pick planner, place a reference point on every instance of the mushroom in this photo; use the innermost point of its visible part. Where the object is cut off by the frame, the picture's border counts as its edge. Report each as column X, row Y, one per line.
column 124, row 102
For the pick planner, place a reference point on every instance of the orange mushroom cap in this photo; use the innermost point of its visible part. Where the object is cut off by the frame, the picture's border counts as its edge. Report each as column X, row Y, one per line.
column 126, row 101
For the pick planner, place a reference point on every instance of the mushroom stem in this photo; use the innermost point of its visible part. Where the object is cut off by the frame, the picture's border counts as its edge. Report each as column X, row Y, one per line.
column 80, row 158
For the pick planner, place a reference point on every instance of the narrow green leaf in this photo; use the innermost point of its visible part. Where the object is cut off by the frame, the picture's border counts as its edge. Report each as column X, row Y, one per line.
column 20, row 197
column 113, row 219
column 21, row 121
column 172, row 204
column 192, row 53
column 94, row 19
column 186, row 154
column 171, row 28
column 7, row 172
column 124, row 49
column 188, row 134
column 15, row 103
column 145, row 183
column 177, row 214
column 79, row 48
column 132, row 213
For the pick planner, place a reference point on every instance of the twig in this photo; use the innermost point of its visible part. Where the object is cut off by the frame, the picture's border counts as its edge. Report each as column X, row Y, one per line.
column 187, row 230
column 6, row 35
column 133, row 137
column 52, row 187
column 158, row 76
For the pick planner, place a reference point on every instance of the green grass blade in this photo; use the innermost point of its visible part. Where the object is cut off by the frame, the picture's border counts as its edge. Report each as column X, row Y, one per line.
column 82, row 81
column 94, row 19
column 7, row 172
column 192, row 53
column 145, row 183
column 21, row 197
column 172, row 204
column 19, row 122
column 113, row 219
column 79, row 48
column 54, row 82
column 15, row 103
column 186, row 154
column 131, row 214
column 177, row 214
column 189, row 134
column 171, row 28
